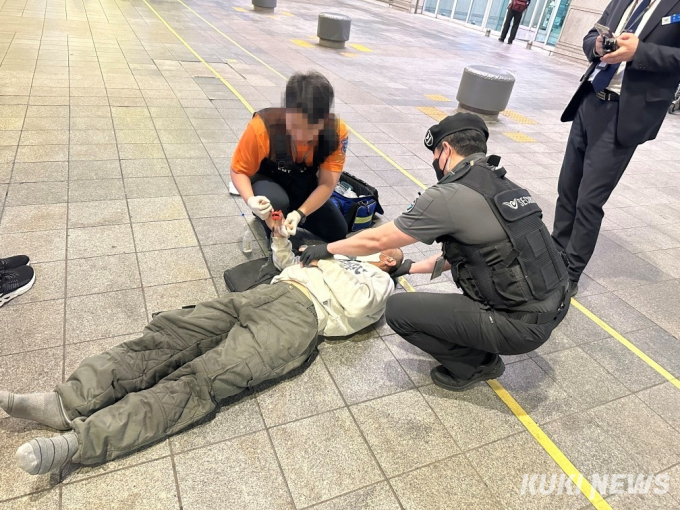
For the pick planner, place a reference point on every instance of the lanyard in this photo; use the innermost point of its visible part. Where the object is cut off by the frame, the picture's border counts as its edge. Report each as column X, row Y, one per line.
column 294, row 151
column 639, row 16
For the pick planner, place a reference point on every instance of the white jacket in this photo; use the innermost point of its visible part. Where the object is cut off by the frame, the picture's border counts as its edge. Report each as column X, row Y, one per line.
column 348, row 295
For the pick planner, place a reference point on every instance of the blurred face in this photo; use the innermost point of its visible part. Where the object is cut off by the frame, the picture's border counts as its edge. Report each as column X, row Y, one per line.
column 300, row 129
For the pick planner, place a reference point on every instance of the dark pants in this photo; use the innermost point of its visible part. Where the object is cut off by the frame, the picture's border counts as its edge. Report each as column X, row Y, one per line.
column 185, row 362
column 459, row 332
column 327, row 222
column 515, row 17
column 593, row 164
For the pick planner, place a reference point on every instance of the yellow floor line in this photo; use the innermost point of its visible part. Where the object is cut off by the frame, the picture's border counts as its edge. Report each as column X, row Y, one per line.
column 662, row 371
column 518, row 117
column 555, row 453
column 437, row 97
column 359, row 47
column 302, row 43
column 432, row 112
column 520, row 137
column 240, row 9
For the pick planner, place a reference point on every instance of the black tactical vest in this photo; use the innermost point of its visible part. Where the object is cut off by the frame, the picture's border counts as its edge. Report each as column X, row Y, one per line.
column 505, row 274
column 280, row 163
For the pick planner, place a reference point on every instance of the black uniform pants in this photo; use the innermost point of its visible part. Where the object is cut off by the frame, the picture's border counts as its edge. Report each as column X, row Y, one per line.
column 515, row 17
column 327, row 222
column 459, row 332
column 593, row 164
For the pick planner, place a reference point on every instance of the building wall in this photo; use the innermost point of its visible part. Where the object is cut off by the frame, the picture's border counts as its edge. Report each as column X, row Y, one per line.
column 580, row 18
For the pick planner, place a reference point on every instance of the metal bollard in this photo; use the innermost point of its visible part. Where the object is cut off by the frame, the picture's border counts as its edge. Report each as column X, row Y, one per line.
column 487, row 33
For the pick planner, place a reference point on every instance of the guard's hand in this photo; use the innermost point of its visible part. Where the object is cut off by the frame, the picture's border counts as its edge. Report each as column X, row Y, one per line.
column 404, row 269
column 261, row 206
column 315, row 252
column 291, row 224
column 628, row 45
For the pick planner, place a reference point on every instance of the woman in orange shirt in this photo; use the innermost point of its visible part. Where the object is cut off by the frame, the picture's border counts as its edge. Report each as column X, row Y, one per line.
column 291, row 158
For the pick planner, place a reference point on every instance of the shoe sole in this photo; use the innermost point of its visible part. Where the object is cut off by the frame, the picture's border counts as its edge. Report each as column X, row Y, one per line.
column 495, row 374
column 21, row 290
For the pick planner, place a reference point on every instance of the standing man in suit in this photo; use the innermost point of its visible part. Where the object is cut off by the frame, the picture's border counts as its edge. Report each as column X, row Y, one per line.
column 621, row 102
column 515, row 11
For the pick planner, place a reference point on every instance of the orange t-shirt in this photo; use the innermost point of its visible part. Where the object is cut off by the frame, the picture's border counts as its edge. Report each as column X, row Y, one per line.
column 253, row 147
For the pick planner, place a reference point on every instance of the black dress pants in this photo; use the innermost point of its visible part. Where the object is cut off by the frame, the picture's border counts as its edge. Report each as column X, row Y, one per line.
column 460, row 332
column 515, row 17
column 593, row 164
column 327, row 222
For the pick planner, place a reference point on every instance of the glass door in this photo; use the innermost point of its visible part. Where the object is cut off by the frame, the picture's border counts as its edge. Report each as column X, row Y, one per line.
column 462, row 9
column 430, row 6
column 445, row 8
column 477, row 12
column 544, row 23
column 497, row 15
column 558, row 22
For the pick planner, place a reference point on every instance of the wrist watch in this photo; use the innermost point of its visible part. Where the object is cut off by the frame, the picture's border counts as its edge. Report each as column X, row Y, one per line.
column 303, row 216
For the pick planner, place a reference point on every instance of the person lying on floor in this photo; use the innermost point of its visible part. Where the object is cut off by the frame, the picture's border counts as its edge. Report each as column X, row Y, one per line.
column 188, row 360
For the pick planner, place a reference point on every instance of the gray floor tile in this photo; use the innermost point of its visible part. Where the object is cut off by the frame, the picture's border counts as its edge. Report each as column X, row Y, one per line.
column 538, row 394
column 46, row 500
column 162, row 235
column 201, row 185
column 578, row 328
column 221, row 257
column 96, row 189
column 126, row 136
column 154, row 487
column 34, row 193
column 199, row 166
column 104, row 315
column 94, row 152
column 659, row 345
column 150, row 187
column 403, row 432
column 107, row 169
column 172, row 266
column 413, row 360
column 375, row 497
column 46, row 246
column 658, row 302
column 49, row 283
column 102, row 274
column 630, row 421
column 174, row 296
column 156, row 209
column 664, row 400
column 616, row 312
column 92, row 136
column 623, row 364
column 586, row 382
column 205, row 206
column 365, row 370
column 92, row 214
column 36, row 172
column 248, row 478
column 590, row 448
column 45, row 329
column 452, row 483
column 649, row 501
column 99, row 241
column 502, row 466
column 144, row 168
column 219, row 230
column 475, row 417
column 312, row 392
column 29, row 218
column 323, row 456
column 609, row 258
column 140, row 150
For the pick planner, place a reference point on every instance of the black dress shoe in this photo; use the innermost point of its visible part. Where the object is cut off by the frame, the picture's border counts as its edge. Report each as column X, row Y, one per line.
column 573, row 288
column 445, row 379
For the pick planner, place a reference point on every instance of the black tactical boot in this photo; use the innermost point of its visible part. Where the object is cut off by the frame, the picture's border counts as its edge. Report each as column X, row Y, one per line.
column 490, row 370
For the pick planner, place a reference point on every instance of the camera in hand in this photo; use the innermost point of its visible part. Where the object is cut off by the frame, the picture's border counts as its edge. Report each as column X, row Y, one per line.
column 609, row 44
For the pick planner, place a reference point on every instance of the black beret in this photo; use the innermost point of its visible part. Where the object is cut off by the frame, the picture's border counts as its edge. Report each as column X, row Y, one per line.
column 453, row 124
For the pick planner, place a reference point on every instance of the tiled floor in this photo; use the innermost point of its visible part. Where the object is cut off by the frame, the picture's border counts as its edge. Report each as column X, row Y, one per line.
column 115, row 143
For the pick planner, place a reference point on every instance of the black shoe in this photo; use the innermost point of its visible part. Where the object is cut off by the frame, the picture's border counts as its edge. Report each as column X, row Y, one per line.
column 445, row 379
column 16, row 282
column 509, row 42
column 14, row 262
column 573, row 288
column 501, row 40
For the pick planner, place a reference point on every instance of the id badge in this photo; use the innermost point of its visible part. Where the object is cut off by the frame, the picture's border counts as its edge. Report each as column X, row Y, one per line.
column 438, row 268
column 668, row 20
column 602, row 66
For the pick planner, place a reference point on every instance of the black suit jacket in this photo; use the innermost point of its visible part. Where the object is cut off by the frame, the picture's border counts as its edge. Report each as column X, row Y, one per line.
column 651, row 78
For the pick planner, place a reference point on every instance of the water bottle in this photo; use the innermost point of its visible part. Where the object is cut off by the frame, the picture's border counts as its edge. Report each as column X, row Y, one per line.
column 247, row 243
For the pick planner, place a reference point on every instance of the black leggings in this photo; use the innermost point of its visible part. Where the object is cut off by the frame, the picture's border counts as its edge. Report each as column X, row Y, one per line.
column 327, row 222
